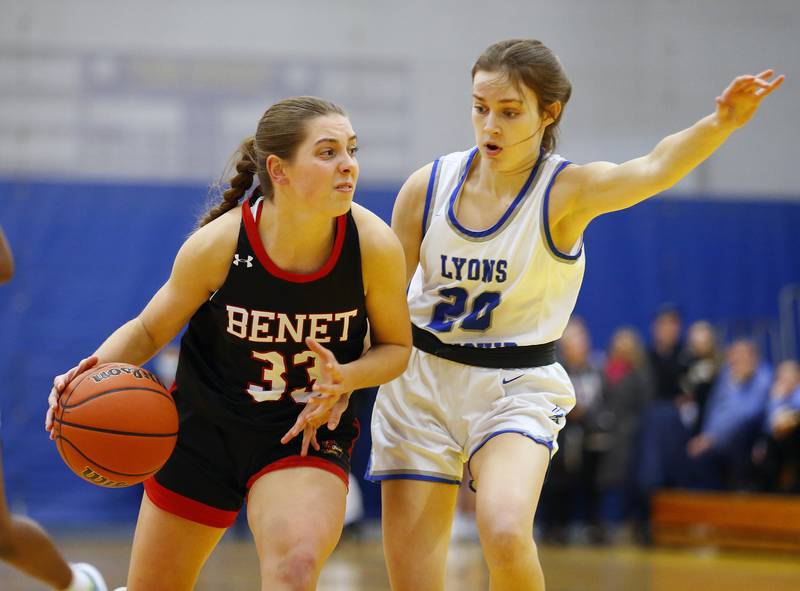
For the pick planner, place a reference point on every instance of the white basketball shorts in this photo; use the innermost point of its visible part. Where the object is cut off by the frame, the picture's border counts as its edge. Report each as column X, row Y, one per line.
column 432, row 419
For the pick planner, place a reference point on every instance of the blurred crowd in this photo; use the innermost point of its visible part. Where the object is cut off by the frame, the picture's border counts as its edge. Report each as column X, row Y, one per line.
column 686, row 414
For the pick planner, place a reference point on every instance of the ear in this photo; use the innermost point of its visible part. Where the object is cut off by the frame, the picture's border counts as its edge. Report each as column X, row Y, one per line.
column 551, row 113
column 276, row 171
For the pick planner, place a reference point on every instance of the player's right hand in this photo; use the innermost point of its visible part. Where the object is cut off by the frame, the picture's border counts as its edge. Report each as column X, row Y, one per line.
column 60, row 384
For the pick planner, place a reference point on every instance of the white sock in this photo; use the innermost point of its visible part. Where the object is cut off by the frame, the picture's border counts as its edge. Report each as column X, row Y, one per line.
column 81, row 581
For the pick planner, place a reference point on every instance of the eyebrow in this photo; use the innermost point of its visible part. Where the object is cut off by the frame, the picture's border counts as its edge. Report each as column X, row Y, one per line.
column 506, row 100
column 334, row 140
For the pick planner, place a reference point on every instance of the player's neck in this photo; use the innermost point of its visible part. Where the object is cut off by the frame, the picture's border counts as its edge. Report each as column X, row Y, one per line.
column 489, row 181
column 298, row 240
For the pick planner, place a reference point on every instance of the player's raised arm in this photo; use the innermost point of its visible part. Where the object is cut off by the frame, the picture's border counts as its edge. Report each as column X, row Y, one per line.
column 585, row 192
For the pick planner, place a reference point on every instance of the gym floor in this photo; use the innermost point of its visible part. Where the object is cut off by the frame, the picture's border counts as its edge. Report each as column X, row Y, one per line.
column 357, row 565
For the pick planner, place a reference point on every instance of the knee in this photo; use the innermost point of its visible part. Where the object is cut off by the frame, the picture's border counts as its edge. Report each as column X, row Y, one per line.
column 297, row 569
column 506, row 544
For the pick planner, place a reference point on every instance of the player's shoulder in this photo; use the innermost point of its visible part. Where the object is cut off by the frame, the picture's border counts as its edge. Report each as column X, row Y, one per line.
column 217, row 239
column 379, row 243
column 372, row 230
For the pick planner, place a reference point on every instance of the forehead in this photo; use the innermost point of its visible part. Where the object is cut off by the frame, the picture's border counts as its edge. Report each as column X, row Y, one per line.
column 497, row 86
column 333, row 126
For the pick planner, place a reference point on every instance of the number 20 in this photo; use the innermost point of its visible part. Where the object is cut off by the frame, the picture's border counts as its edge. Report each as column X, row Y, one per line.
column 447, row 313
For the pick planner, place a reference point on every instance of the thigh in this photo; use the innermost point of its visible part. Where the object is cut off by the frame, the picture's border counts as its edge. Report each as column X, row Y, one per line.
column 168, row 551
column 503, row 503
column 296, row 509
column 417, row 517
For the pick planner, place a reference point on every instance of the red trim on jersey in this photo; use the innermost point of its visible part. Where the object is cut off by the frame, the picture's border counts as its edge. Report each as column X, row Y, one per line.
column 300, row 462
column 251, row 227
column 182, row 506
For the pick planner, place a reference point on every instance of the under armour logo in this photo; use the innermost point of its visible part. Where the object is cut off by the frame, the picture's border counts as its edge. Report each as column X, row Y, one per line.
column 248, row 261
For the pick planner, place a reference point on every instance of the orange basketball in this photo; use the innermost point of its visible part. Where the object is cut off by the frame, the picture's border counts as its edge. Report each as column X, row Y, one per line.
column 116, row 425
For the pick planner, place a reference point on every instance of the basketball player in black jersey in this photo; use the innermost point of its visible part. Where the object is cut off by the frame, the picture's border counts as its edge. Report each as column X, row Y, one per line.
column 23, row 543
column 277, row 291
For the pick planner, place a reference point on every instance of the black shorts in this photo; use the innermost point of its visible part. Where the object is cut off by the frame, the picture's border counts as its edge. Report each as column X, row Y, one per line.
column 207, row 477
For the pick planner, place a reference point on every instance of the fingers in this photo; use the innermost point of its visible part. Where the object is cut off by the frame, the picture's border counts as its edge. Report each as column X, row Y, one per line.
column 299, row 425
column 337, row 411
column 306, row 442
column 48, row 422
column 309, row 438
column 324, row 354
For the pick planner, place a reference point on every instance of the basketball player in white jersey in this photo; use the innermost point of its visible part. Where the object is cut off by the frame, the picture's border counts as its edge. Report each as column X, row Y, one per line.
column 494, row 254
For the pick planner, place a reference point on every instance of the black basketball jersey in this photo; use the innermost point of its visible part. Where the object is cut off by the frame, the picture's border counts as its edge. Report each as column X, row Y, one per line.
column 243, row 358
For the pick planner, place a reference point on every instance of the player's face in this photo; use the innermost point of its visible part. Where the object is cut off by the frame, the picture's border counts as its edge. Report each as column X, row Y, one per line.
column 506, row 119
column 324, row 169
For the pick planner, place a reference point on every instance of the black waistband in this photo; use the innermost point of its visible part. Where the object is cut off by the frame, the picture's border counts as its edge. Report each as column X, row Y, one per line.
column 499, row 357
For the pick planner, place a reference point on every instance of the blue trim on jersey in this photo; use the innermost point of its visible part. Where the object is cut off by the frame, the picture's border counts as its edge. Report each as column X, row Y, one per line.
column 428, row 196
column 483, row 233
column 546, row 218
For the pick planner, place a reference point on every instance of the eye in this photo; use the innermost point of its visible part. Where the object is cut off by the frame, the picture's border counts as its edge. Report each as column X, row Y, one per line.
column 353, row 150
column 327, row 153
column 479, row 109
column 511, row 114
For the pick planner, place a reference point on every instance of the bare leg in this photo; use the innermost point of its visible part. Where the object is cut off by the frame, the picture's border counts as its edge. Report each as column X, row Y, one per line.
column 25, row 545
column 417, row 517
column 509, row 472
column 168, row 551
column 296, row 516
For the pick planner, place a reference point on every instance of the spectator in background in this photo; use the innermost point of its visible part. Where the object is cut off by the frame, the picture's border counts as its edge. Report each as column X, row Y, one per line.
column 627, row 390
column 665, row 352
column 734, row 413
column 571, row 489
column 701, row 361
column 776, row 455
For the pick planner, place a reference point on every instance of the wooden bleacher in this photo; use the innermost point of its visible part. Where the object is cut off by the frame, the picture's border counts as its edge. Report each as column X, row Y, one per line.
column 726, row 520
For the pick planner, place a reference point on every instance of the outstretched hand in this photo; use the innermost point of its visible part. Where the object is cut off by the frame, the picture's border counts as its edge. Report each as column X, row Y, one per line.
column 332, row 397
column 739, row 102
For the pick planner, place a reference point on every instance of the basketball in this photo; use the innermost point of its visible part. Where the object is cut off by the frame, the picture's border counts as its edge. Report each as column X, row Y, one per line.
column 116, row 425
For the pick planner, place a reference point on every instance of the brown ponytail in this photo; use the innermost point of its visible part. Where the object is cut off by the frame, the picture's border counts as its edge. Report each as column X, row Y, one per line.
column 280, row 131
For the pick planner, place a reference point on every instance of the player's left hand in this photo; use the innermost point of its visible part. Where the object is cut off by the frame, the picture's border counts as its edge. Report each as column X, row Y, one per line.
column 317, row 412
column 333, row 396
column 738, row 103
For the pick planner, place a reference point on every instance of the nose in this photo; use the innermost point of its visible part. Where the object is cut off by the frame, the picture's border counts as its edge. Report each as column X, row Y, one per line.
column 348, row 164
column 490, row 124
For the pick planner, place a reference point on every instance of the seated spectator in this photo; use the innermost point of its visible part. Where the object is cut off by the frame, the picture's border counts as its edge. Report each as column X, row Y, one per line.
column 701, row 361
column 733, row 416
column 776, row 455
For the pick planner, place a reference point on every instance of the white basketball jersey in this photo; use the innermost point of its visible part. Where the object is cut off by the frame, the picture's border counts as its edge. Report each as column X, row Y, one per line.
column 507, row 285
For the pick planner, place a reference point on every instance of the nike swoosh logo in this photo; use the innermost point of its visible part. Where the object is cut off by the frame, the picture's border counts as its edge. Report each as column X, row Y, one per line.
column 505, row 381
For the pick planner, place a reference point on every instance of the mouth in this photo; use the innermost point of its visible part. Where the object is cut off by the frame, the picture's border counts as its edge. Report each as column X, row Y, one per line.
column 491, row 149
column 344, row 187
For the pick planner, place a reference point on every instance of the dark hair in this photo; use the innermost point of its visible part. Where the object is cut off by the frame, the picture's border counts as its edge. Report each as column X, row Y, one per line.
column 530, row 62
column 280, row 131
